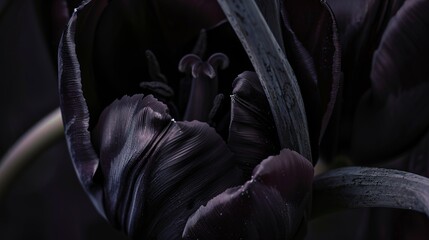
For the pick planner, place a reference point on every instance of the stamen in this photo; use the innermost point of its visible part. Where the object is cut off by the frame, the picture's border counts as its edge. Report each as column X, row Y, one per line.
column 204, row 85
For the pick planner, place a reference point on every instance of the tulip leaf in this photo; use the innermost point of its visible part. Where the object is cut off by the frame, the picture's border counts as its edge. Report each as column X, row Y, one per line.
column 274, row 71
column 357, row 187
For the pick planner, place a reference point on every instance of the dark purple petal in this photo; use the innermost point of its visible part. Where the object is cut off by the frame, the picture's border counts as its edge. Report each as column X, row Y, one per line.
column 269, row 206
column 148, row 173
column 76, row 116
column 156, row 172
column 394, row 114
column 252, row 132
column 361, row 24
column 313, row 49
column 86, row 21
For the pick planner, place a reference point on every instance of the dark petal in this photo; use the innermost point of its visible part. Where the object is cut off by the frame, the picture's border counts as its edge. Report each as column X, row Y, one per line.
column 87, row 18
column 252, row 132
column 394, row 114
column 269, row 206
column 76, row 116
column 361, row 24
column 157, row 172
column 312, row 44
column 126, row 131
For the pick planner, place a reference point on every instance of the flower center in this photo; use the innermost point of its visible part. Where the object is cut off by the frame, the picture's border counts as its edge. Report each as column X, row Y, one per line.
column 204, row 86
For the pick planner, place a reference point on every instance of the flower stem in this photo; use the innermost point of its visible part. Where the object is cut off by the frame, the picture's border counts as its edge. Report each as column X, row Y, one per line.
column 35, row 141
column 357, row 187
column 274, row 71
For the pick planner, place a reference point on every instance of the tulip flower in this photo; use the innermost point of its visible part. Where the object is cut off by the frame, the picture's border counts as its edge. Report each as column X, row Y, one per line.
column 385, row 76
column 181, row 160
column 385, row 111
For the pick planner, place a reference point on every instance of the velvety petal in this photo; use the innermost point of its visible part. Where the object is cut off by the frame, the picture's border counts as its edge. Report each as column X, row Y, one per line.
column 393, row 115
column 269, row 206
column 76, row 116
column 312, row 45
column 252, row 132
column 86, row 18
column 361, row 24
column 181, row 166
column 156, row 172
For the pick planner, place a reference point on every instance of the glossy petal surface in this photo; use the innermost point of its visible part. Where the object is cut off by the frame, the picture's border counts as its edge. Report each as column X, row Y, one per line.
column 263, row 208
column 157, row 171
column 252, row 134
column 146, row 173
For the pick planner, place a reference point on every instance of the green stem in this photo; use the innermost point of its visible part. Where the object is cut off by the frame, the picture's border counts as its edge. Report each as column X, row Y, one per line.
column 358, row 187
column 33, row 142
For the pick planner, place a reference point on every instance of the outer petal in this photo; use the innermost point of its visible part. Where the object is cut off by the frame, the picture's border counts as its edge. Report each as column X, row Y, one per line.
column 269, row 206
column 156, row 172
column 76, row 116
column 313, row 48
column 394, row 114
column 361, row 24
column 149, row 180
column 252, row 132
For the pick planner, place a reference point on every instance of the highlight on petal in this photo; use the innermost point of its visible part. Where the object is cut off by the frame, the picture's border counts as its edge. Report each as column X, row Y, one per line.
column 269, row 206
column 394, row 114
column 252, row 132
column 156, row 172
column 76, row 116
column 147, row 181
